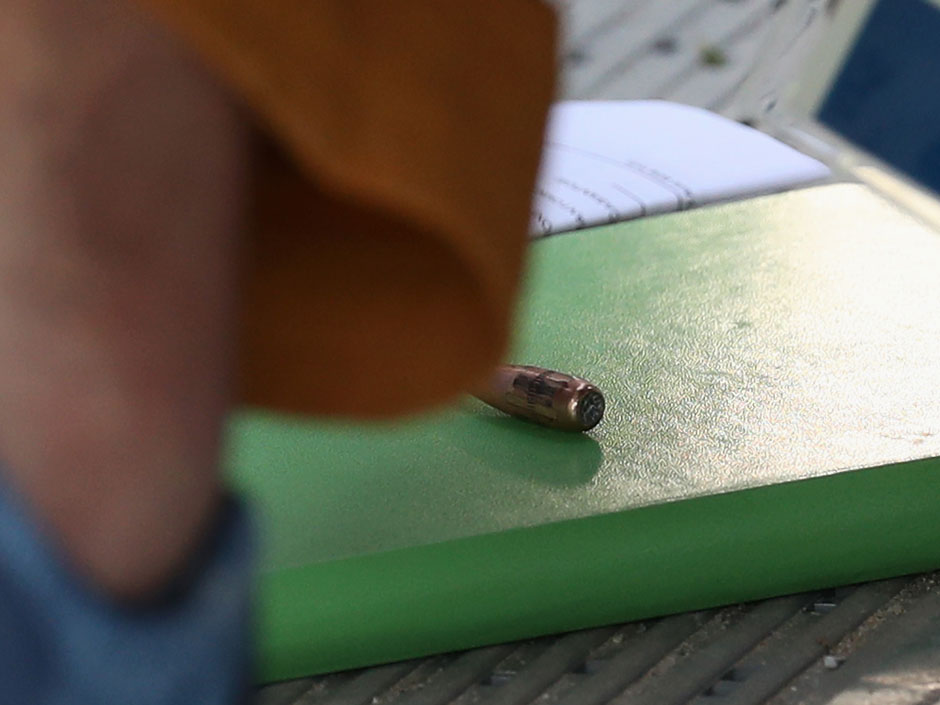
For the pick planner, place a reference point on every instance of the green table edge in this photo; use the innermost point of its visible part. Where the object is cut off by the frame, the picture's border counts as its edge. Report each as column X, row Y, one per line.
column 848, row 527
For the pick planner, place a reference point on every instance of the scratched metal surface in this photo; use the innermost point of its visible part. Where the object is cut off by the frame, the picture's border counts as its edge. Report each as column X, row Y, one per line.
column 875, row 643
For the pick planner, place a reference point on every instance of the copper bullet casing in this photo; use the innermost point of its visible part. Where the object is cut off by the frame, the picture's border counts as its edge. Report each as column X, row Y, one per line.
column 549, row 398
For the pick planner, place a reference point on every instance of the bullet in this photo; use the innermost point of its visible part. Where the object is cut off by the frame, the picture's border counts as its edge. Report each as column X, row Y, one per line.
column 549, row 398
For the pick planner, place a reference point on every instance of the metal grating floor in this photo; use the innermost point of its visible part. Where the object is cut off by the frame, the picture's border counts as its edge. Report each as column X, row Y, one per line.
column 876, row 643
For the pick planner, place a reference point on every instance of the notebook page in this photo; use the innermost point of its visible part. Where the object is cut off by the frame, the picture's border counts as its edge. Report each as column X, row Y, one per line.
column 607, row 161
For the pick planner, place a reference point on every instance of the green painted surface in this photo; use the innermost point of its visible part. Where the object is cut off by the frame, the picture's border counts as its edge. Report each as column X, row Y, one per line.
column 741, row 347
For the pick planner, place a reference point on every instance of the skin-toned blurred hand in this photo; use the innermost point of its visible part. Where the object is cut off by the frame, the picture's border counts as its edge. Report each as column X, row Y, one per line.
column 122, row 185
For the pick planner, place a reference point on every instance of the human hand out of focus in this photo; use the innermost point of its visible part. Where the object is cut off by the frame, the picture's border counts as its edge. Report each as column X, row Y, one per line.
column 122, row 184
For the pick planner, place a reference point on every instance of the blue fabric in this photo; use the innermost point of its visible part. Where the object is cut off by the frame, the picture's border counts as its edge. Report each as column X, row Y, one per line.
column 886, row 98
column 63, row 643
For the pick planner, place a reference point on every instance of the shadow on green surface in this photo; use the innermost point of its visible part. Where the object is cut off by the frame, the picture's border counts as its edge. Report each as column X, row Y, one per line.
column 524, row 449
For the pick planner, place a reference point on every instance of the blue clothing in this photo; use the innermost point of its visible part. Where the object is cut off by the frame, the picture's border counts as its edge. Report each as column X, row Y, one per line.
column 63, row 643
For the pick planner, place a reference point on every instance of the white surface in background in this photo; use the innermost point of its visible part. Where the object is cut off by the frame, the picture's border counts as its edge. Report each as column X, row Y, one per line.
column 607, row 161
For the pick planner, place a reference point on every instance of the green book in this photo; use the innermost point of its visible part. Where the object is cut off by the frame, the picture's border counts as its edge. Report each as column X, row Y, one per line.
column 772, row 426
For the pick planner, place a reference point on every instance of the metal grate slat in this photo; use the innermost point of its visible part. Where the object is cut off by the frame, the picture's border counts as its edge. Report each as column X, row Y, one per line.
column 635, row 658
column 361, row 688
column 805, row 646
column 893, row 658
column 565, row 654
column 469, row 668
column 691, row 676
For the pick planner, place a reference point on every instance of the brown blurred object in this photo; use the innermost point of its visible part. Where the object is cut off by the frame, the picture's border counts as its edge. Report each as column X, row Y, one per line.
column 392, row 198
column 549, row 398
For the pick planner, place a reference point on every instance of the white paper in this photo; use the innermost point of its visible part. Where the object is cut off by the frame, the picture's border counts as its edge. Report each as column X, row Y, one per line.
column 607, row 161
